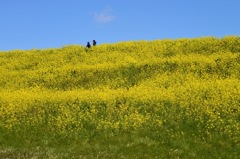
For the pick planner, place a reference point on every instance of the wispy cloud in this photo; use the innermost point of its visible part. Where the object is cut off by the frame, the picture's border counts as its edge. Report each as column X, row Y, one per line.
column 104, row 16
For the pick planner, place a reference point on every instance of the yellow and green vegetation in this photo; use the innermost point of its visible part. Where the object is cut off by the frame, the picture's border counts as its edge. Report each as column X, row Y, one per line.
column 139, row 99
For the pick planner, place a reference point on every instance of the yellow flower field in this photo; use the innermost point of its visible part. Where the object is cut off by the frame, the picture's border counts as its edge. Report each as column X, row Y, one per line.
column 171, row 92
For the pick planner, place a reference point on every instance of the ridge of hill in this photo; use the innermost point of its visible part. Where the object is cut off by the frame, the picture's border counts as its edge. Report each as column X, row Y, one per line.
column 123, row 64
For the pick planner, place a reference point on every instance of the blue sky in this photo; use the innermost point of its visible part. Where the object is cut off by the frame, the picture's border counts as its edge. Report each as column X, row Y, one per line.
column 39, row 24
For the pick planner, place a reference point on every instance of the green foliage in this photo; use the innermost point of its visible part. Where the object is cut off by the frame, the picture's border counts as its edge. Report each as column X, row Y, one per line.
column 144, row 99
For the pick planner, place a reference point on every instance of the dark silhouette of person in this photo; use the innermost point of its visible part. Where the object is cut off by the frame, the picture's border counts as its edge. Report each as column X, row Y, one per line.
column 88, row 45
column 94, row 43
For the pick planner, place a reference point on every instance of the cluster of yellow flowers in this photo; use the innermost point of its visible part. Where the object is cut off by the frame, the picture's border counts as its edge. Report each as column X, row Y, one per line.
column 190, row 85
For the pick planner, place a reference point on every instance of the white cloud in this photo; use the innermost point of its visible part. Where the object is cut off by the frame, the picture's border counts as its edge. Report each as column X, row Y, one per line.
column 104, row 16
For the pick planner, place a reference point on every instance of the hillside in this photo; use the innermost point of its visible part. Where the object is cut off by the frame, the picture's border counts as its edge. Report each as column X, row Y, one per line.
column 163, row 98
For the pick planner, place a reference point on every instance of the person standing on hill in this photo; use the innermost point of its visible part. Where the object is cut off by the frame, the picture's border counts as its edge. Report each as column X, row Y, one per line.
column 94, row 43
column 88, row 45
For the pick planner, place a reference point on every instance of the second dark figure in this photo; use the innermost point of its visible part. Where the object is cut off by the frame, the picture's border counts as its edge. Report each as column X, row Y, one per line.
column 94, row 43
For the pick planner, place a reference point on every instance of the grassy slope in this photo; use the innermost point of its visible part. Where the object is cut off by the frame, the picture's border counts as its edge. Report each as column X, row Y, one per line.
column 165, row 99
